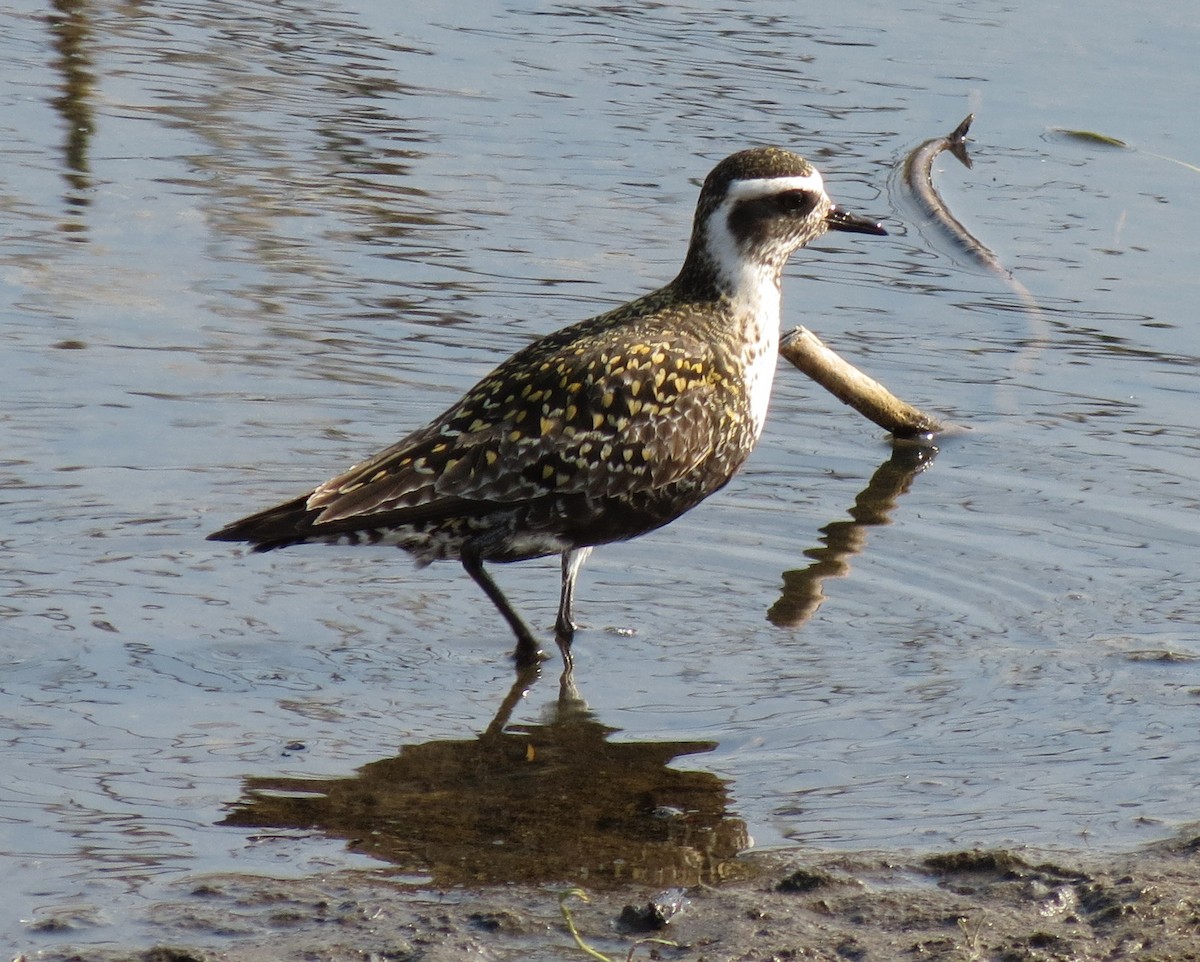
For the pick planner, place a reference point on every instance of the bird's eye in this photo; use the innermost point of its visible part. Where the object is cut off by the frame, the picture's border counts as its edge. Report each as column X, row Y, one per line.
column 796, row 201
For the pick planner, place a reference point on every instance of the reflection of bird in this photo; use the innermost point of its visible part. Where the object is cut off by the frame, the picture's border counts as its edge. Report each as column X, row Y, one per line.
column 492, row 809
column 604, row 430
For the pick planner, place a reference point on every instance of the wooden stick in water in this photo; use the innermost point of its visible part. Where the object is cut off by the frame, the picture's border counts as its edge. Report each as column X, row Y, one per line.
column 849, row 385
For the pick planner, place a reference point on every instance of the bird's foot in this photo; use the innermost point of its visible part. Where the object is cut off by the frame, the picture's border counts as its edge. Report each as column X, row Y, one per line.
column 527, row 654
column 564, row 626
column 564, row 634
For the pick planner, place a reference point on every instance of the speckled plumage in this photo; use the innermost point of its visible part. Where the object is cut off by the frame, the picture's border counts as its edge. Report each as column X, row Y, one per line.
column 603, row 430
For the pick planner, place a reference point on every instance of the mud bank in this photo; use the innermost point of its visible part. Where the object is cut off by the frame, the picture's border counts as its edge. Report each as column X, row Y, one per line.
column 991, row 905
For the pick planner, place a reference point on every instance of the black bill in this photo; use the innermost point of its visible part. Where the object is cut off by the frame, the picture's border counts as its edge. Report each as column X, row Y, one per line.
column 838, row 219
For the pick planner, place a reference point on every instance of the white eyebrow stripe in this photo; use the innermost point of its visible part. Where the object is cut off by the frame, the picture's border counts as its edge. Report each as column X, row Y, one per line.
column 767, row 186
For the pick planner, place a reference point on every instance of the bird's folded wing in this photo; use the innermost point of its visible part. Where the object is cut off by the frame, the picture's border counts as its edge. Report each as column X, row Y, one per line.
column 602, row 422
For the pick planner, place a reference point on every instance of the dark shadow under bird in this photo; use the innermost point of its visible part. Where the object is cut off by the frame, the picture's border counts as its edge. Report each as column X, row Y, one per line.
column 599, row 432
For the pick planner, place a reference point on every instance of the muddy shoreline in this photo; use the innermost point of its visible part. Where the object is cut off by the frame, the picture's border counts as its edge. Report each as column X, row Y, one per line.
column 980, row 905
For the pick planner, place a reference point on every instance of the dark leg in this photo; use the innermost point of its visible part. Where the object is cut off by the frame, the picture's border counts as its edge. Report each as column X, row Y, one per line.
column 564, row 625
column 527, row 652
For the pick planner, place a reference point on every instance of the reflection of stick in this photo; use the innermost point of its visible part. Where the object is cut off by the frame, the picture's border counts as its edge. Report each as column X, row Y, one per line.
column 803, row 588
column 849, row 385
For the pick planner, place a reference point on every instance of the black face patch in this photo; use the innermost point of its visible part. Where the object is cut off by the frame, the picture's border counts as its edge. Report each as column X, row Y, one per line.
column 798, row 203
column 751, row 221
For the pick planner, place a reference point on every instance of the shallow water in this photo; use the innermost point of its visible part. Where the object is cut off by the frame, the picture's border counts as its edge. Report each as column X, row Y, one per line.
column 247, row 244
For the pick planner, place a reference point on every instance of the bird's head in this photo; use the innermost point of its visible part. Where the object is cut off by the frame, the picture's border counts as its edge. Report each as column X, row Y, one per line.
column 756, row 208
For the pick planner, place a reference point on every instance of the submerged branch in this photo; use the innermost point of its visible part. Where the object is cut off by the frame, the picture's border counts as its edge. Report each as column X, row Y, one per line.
column 849, row 385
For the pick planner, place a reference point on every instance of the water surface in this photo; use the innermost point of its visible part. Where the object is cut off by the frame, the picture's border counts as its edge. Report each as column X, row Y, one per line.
column 246, row 244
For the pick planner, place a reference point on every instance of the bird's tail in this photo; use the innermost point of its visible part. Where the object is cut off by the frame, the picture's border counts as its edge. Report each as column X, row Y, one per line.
column 277, row 527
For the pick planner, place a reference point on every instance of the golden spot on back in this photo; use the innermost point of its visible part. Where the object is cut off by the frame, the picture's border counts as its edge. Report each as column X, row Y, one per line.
column 491, row 457
column 515, row 436
column 634, row 406
column 607, row 400
column 570, row 411
column 634, row 387
column 547, row 472
column 597, row 421
column 657, row 358
column 681, row 384
column 547, row 425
